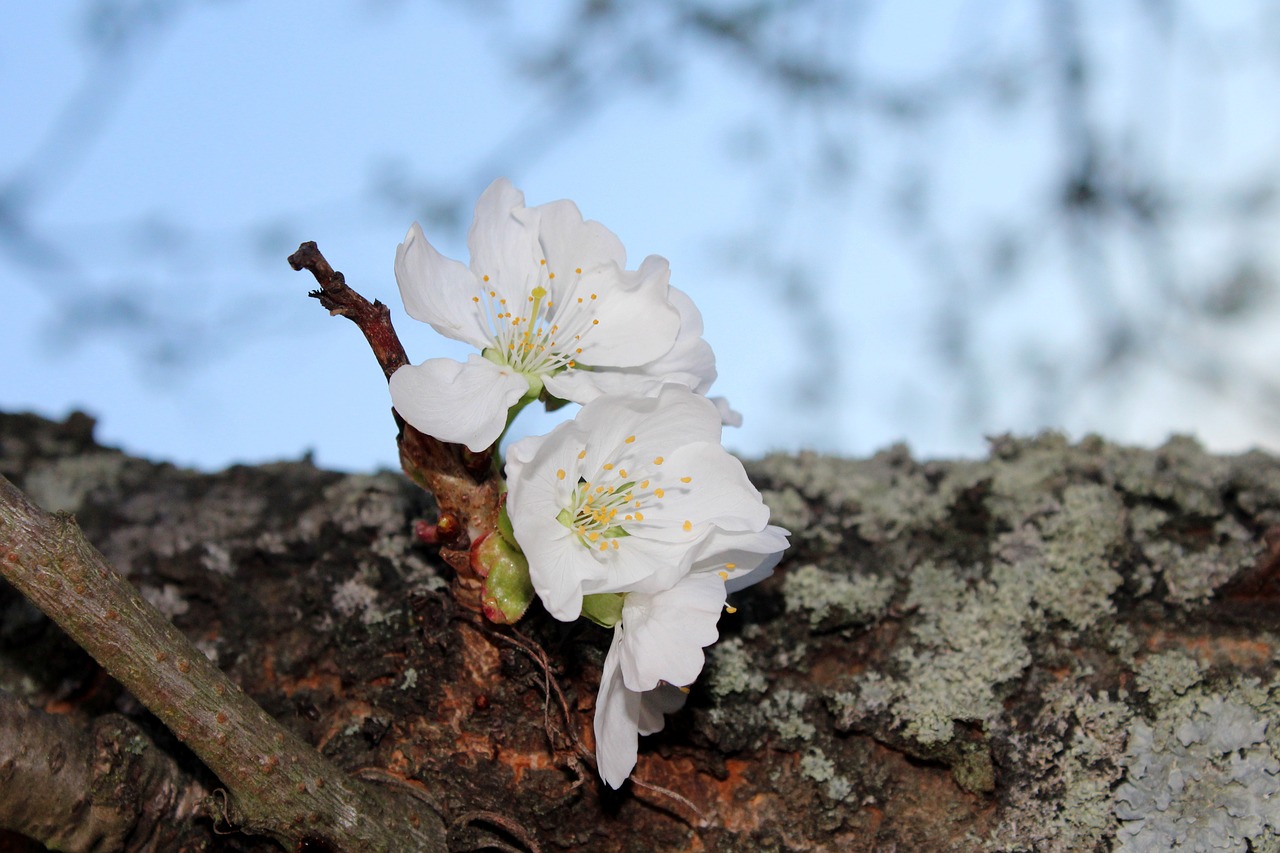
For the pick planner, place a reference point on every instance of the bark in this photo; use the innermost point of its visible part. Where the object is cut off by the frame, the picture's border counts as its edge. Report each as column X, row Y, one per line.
column 1014, row 653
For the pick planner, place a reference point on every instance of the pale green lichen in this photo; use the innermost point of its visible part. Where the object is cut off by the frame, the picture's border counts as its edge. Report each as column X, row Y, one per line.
column 1166, row 676
column 1068, row 756
column 784, row 709
column 967, row 642
column 1201, row 776
column 816, row 766
column 63, row 485
column 845, row 599
column 731, row 670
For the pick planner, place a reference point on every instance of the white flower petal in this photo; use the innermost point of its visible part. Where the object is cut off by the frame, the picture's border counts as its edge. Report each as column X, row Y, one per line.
column 744, row 558
column 633, row 321
column 503, row 246
column 663, row 635
column 439, row 291
column 568, row 242
column 719, row 493
column 728, row 416
column 617, row 721
column 656, row 704
column 456, row 402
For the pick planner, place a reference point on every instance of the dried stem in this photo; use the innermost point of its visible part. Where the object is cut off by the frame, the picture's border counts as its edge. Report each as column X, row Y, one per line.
column 278, row 785
column 465, row 484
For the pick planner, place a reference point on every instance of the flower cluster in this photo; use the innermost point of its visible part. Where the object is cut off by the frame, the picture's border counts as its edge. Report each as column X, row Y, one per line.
column 632, row 514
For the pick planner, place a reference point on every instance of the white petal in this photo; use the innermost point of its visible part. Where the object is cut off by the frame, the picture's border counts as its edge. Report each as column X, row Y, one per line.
column 655, row 704
column 690, row 360
column 439, row 291
column 635, row 322
column 570, row 243
column 663, row 635
column 745, row 558
column 456, row 402
column 617, row 722
column 503, row 245
column 719, row 494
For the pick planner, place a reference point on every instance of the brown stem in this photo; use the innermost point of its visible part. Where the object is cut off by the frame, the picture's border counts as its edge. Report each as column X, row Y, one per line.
column 465, row 484
column 278, row 785
column 374, row 319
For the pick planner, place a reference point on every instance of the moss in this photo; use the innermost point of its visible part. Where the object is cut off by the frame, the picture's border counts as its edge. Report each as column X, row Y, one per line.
column 822, row 594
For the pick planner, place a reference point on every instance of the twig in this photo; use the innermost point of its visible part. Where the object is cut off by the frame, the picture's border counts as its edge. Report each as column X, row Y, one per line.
column 374, row 319
column 279, row 786
column 465, row 484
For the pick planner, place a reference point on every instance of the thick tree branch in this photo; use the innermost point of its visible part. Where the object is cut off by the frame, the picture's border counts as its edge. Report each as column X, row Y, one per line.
column 278, row 785
column 105, row 787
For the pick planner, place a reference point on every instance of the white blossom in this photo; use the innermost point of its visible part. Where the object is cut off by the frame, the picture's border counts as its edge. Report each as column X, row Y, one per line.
column 621, row 498
column 548, row 302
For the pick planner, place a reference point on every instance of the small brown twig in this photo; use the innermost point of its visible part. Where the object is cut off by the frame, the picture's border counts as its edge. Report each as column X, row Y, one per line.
column 465, row 484
column 374, row 319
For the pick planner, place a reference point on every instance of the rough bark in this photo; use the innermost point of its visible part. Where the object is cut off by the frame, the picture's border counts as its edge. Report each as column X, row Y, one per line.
column 1060, row 647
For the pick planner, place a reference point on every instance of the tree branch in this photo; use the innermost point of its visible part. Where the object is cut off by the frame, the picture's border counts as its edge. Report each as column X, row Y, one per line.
column 88, row 789
column 279, row 786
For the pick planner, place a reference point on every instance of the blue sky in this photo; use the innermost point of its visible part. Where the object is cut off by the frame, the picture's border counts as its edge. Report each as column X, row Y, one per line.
column 242, row 129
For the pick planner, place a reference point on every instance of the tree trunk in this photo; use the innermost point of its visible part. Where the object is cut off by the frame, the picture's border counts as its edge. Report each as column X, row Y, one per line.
column 1061, row 647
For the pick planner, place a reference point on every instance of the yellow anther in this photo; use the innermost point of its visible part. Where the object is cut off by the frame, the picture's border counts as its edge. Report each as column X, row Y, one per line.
column 593, row 296
column 595, row 322
column 639, row 516
column 658, row 493
column 686, row 479
column 684, row 689
column 688, row 525
column 492, row 293
column 543, row 262
column 551, row 275
column 645, row 484
column 608, row 466
column 593, row 535
column 730, row 608
column 475, row 299
column 560, row 474
column 486, row 278
column 657, row 460
column 622, row 472
column 578, row 270
column 579, row 300
column 731, row 565
column 615, row 544
column 724, row 576
column 582, row 455
column 629, row 439
column 604, row 546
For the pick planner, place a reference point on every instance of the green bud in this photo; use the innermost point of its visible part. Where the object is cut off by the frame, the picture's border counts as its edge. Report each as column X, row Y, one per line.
column 507, row 587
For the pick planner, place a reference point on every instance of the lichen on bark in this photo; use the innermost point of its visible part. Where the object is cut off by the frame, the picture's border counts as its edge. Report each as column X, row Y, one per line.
column 979, row 654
